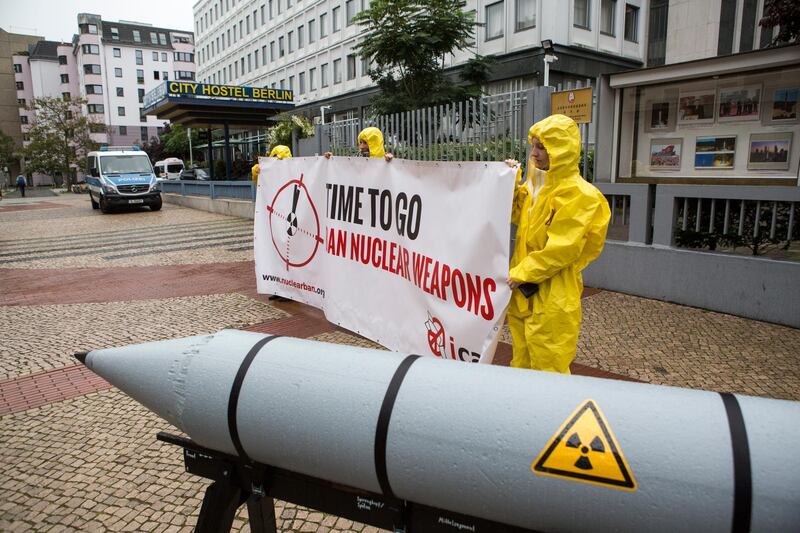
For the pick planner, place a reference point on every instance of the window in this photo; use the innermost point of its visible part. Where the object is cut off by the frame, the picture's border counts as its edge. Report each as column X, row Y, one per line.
column 139, row 60
column 526, row 14
column 271, row 2
column 123, row 130
column 91, row 69
column 323, row 75
column 65, row 78
column 142, row 118
column 153, row 37
column 241, row 33
column 262, row 15
column 22, row 102
column 312, row 73
column 164, row 75
column 608, row 9
column 115, row 34
column 94, row 89
column 280, row 9
column 311, row 29
column 335, row 17
column 23, row 119
column 184, row 75
column 281, row 50
column 249, row 63
column 62, row 60
column 255, row 59
column 300, row 42
column 162, row 39
column 301, row 83
column 291, row 83
column 164, row 57
column 21, row 86
column 290, row 39
column 247, row 24
column 92, row 29
column 280, row 85
column 121, row 111
column 264, row 55
column 95, row 108
column 140, row 76
column 143, row 132
column 581, row 14
column 17, row 68
column 494, row 21
column 351, row 67
column 364, row 66
column 137, row 37
column 66, row 96
column 337, row 71
column 272, row 51
column 141, row 95
column 117, row 52
column 156, row 75
column 350, row 11
column 90, row 49
column 155, row 56
column 323, row 25
column 120, row 91
column 117, row 72
column 631, row 23
column 182, row 56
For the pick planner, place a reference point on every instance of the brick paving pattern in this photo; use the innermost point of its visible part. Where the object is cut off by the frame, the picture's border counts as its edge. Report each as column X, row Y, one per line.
column 72, row 279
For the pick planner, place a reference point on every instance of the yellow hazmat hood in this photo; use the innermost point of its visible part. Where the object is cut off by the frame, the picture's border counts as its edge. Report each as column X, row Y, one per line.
column 374, row 138
column 281, row 152
column 562, row 139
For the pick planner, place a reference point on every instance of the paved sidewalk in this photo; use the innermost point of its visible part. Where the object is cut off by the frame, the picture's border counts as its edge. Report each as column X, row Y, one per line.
column 78, row 455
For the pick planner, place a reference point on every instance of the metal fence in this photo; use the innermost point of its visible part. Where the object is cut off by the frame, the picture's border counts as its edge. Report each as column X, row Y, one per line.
column 234, row 190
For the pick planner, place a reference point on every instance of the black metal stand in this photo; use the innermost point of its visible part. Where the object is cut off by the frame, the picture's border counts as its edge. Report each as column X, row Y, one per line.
column 236, row 483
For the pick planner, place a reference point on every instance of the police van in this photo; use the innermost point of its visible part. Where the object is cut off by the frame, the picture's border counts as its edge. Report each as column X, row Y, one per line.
column 169, row 169
column 121, row 176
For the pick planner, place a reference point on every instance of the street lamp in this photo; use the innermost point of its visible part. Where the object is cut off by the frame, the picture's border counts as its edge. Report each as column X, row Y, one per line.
column 322, row 109
column 549, row 57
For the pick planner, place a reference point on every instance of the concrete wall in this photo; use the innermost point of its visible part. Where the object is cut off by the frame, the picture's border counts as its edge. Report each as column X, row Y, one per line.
column 761, row 289
column 234, row 208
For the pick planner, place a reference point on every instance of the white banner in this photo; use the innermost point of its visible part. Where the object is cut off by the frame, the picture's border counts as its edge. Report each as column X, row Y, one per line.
column 413, row 255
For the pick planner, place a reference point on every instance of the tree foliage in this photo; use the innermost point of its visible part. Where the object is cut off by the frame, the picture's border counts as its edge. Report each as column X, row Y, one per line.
column 176, row 141
column 786, row 15
column 7, row 150
column 407, row 41
column 281, row 133
column 59, row 137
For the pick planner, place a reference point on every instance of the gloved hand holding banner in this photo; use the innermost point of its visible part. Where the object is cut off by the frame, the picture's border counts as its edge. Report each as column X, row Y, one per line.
column 413, row 255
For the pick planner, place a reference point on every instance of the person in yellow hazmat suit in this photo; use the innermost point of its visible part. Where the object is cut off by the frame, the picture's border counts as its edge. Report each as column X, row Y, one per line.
column 280, row 151
column 561, row 227
column 370, row 144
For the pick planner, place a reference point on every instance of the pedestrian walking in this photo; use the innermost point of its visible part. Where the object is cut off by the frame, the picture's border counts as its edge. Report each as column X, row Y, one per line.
column 22, row 183
column 561, row 227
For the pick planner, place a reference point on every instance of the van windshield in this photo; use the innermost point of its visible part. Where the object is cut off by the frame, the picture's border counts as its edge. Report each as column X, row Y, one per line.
column 125, row 164
column 174, row 168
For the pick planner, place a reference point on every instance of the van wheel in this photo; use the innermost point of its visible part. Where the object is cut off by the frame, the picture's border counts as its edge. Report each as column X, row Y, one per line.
column 95, row 205
column 156, row 206
column 104, row 207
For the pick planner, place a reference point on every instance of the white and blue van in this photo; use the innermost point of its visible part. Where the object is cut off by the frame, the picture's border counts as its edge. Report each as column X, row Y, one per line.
column 121, row 176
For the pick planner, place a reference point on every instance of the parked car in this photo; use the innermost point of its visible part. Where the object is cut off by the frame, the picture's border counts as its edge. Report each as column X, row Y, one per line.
column 195, row 174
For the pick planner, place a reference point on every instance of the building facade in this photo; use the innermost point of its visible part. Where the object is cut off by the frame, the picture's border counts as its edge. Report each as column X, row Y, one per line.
column 10, row 44
column 111, row 65
column 308, row 46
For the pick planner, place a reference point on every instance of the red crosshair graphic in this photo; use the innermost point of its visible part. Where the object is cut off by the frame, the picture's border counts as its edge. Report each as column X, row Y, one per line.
column 436, row 337
column 294, row 224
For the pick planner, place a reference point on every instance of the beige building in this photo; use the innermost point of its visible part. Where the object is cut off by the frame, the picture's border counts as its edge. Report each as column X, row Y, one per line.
column 10, row 44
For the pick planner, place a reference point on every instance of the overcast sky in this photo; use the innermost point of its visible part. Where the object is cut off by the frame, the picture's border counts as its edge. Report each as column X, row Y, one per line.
column 57, row 20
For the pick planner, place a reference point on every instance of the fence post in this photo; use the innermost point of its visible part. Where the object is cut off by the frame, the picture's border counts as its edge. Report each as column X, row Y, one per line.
column 664, row 219
column 213, row 191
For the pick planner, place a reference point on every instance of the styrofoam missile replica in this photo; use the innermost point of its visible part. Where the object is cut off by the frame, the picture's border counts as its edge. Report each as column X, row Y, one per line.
column 535, row 450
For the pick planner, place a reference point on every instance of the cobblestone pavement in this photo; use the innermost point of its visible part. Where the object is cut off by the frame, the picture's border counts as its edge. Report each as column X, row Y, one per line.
column 90, row 462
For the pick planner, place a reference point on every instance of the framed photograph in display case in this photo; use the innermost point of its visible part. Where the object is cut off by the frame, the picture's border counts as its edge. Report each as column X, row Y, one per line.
column 739, row 103
column 769, row 151
column 665, row 154
column 660, row 116
column 715, row 152
column 782, row 108
column 696, row 107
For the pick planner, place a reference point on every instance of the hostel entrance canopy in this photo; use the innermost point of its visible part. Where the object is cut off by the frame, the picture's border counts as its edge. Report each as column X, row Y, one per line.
column 202, row 105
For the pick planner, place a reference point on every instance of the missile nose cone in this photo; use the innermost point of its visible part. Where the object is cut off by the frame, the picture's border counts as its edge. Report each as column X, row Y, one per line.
column 81, row 356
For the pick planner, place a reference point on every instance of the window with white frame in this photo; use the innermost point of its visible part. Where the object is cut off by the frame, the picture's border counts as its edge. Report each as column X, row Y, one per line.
column 494, row 20
column 608, row 10
column 525, row 14
column 581, row 12
column 631, row 23
column 337, row 71
column 323, row 75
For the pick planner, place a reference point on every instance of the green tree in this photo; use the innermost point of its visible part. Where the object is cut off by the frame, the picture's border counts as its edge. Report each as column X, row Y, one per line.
column 786, row 15
column 407, row 41
column 281, row 133
column 176, row 141
column 7, row 149
column 59, row 137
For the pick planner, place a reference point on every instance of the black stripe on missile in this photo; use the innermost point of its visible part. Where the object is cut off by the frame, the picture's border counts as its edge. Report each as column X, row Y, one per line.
column 742, row 472
column 233, row 400
column 382, row 431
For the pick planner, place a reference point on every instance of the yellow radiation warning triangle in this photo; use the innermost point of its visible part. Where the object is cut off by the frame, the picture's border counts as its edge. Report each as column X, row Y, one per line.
column 584, row 449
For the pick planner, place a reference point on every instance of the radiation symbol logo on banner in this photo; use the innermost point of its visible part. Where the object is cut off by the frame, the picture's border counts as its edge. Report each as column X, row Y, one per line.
column 294, row 224
column 584, row 449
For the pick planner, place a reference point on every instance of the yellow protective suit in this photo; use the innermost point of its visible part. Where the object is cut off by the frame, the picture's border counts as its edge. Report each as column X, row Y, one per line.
column 280, row 151
column 557, row 236
column 374, row 139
